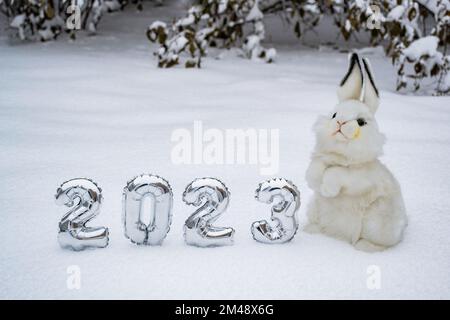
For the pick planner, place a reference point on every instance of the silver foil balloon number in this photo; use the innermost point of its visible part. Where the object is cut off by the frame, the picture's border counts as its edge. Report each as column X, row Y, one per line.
column 134, row 193
column 84, row 198
column 212, row 198
column 287, row 201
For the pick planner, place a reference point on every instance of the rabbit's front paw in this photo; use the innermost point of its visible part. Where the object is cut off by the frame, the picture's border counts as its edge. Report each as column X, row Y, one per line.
column 331, row 182
column 314, row 174
column 329, row 190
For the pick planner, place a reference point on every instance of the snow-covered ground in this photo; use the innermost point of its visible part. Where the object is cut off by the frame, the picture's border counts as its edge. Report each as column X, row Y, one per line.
column 100, row 108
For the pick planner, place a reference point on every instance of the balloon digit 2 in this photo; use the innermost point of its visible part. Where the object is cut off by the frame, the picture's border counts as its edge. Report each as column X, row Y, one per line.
column 84, row 198
column 212, row 198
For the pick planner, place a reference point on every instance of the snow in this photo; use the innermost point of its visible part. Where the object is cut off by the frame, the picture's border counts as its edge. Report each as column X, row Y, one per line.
column 255, row 14
column 360, row 3
column 203, row 33
column 252, row 42
column 179, row 43
column 111, row 5
column 18, row 21
column 312, row 7
column 271, row 54
column 158, row 24
column 432, row 5
column 99, row 107
column 186, row 21
column 348, row 25
column 396, row 13
column 423, row 46
column 447, row 80
column 190, row 19
column 222, row 6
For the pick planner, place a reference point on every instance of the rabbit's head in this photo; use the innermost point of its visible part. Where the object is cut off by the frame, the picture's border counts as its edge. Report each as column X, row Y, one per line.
column 349, row 134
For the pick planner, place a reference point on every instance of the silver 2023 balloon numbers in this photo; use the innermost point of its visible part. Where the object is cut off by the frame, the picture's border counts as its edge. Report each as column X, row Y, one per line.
column 210, row 196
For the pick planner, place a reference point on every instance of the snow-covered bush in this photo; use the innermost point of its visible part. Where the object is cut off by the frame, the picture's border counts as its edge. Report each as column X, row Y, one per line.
column 395, row 24
column 185, row 40
column 421, row 61
column 46, row 19
column 211, row 23
column 421, row 57
column 415, row 34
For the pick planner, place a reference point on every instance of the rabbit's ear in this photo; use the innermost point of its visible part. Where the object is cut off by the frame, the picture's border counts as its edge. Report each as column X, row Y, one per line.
column 351, row 86
column 371, row 96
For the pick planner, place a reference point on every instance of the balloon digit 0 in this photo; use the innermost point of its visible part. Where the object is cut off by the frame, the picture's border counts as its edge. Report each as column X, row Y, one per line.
column 134, row 193
column 212, row 198
column 283, row 212
column 84, row 198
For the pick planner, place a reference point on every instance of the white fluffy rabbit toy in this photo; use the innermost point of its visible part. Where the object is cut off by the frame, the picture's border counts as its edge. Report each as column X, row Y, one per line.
column 356, row 198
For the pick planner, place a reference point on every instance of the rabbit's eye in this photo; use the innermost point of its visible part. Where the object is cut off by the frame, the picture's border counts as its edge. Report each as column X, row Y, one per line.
column 334, row 116
column 361, row 122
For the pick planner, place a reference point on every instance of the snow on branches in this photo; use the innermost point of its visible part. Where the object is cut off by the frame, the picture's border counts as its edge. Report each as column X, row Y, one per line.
column 415, row 34
column 401, row 26
column 211, row 23
column 421, row 59
column 46, row 19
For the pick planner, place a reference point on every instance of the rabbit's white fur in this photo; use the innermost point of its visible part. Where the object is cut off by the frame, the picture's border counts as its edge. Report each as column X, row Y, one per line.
column 356, row 198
